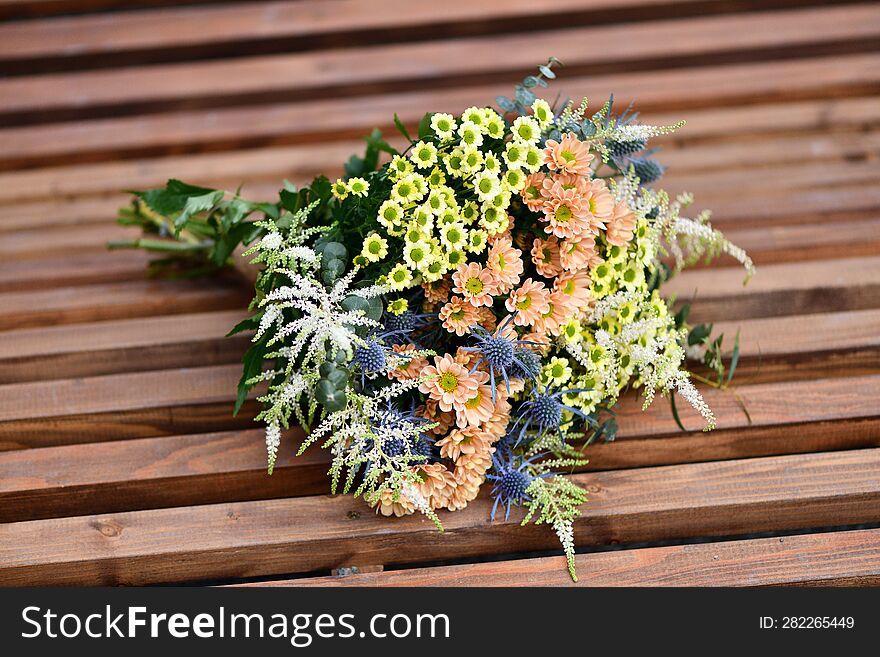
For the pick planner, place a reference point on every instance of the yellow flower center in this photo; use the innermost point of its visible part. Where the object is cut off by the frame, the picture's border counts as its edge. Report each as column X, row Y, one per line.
column 474, row 285
column 524, row 303
column 563, row 214
column 568, row 156
column 448, row 381
column 473, row 402
column 457, row 315
column 546, row 255
column 569, row 287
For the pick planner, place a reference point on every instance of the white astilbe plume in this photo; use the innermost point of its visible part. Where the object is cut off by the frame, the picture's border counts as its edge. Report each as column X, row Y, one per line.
column 640, row 132
column 273, row 440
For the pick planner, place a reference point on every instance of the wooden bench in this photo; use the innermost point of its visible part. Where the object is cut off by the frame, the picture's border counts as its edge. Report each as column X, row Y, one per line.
column 120, row 462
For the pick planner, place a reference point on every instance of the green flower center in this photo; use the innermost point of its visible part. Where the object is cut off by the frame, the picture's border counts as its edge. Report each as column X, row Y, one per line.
column 374, row 247
column 448, row 381
column 485, row 185
column 474, row 285
column 568, row 156
column 525, row 303
column 563, row 214
column 453, row 236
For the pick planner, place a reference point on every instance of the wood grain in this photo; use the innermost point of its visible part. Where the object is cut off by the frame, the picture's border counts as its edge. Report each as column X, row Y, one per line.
column 320, row 533
column 849, row 558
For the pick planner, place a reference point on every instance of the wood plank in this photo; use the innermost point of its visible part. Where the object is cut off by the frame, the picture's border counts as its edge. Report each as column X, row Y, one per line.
column 17, row 9
column 201, row 469
column 848, row 558
column 89, row 303
column 153, row 473
column 117, row 39
column 320, row 533
column 798, row 288
column 696, row 41
column 127, row 345
column 71, row 269
column 41, row 242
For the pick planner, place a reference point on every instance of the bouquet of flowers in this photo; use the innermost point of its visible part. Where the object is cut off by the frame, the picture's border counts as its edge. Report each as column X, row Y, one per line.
column 466, row 313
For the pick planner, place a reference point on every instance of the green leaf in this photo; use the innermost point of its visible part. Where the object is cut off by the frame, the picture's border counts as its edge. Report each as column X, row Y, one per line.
column 248, row 324
column 196, row 204
column 425, row 131
column 675, row 411
column 547, row 72
column 172, row 198
column 401, row 128
column 734, row 360
column 253, row 366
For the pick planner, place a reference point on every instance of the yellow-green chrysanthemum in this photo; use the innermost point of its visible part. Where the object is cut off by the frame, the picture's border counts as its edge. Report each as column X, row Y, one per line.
column 435, row 270
column 400, row 166
column 515, row 155
column 533, row 159
column 492, row 163
column 501, row 200
column 398, row 306
column 470, row 134
column 486, row 185
column 472, row 159
column 415, row 233
column 391, row 217
column 493, row 125
column 436, row 201
column 453, row 235
column 358, row 186
column 514, row 179
column 443, row 125
column 406, row 190
column 475, row 115
column 477, row 241
column 633, row 275
column 424, row 155
column 400, row 277
column 542, row 112
column 556, row 372
column 375, row 247
column 448, row 215
column 469, row 212
column 436, row 178
column 417, row 254
column 340, row 189
column 454, row 163
column 454, row 258
column 525, row 129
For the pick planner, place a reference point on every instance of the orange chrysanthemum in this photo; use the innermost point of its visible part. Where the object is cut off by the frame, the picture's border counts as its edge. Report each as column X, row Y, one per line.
column 545, row 255
column 469, row 440
column 528, row 302
column 388, row 506
column 576, row 287
column 409, row 368
column 436, row 291
column 475, row 284
column 566, row 211
column 578, row 252
column 458, row 316
column 478, row 409
column 557, row 314
column 506, row 264
column 449, row 383
column 599, row 204
column 620, row 225
column 570, row 155
column 531, row 192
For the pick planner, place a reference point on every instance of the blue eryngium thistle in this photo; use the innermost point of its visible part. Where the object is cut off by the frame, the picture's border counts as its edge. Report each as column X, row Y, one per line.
column 406, row 323
column 512, row 475
column 372, row 356
column 543, row 412
column 504, row 356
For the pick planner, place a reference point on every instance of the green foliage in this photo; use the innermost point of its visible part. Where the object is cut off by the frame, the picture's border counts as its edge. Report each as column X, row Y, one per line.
column 523, row 94
column 555, row 501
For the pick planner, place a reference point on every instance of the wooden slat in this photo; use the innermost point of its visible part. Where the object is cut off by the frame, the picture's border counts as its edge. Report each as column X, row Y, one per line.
column 280, row 124
column 153, row 473
column 304, row 24
column 90, row 303
column 784, row 289
column 829, row 416
column 848, row 558
column 319, row 533
column 400, row 67
column 126, row 345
